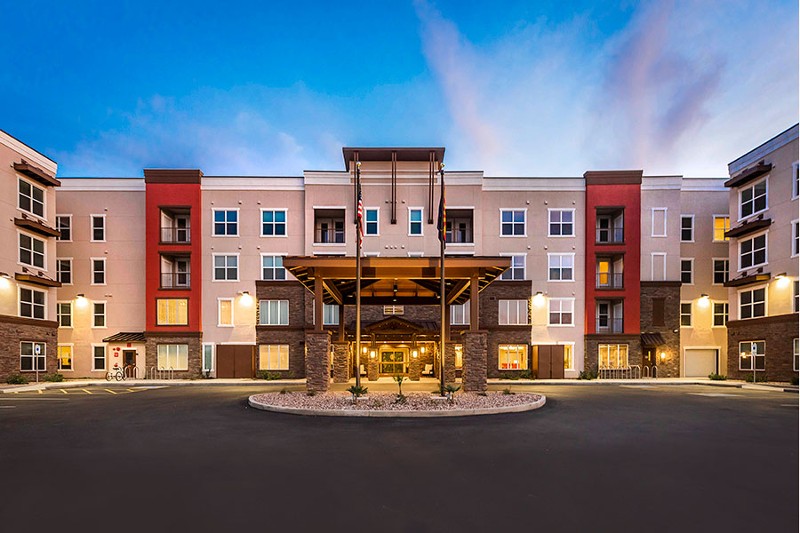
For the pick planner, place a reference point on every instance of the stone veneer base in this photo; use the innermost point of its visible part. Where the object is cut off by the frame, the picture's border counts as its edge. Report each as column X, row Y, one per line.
column 399, row 414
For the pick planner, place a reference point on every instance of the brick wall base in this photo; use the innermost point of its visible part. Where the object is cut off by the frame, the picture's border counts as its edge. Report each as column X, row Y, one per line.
column 474, row 364
column 778, row 333
column 670, row 366
column 14, row 330
column 593, row 341
column 341, row 362
column 195, row 343
column 317, row 361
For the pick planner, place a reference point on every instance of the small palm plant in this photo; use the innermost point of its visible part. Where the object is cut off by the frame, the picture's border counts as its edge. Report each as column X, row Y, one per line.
column 399, row 378
column 451, row 389
column 357, row 391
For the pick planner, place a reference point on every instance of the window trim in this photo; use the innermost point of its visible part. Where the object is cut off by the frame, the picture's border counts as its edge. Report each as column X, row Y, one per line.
column 43, row 355
column 681, row 314
column 213, row 267
column 267, row 254
column 103, row 345
column 92, row 216
column 752, row 186
column 43, row 216
column 753, row 237
column 421, row 221
column 510, row 210
column 691, row 217
column 574, row 223
column 795, row 184
column 219, row 315
column 173, row 298
column 267, row 366
column 795, row 236
column 71, row 346
column 261, row 222
column 377, row 222
column 71, row 270
column 691, row 270
column 260, row 314
column 19, row 302
column 714, row 225
column 713, row 314
column 44, row 251
column 71, row 228
column 713, row 270
column 203, row 356
column 214, row 210
column 653, row 221
column 512, row 255
column 465, row 307
column 105, row 314
column 653, row 266
column 572, row 313
column 753, row 364
column 795, row 354
column 739, row 302
column 500, row 302
column 173, row 344
column 91, row 271
column 552, row 254
column 525, row 363
column 71, row 314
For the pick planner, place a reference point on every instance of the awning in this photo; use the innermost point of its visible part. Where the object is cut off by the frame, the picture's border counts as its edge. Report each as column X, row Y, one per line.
column 652, row 339
column 126, row 336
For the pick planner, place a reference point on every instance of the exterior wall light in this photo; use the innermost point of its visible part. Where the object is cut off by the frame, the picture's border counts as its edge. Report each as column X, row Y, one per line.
column 414, row 354
column 81, row 301
column 246, row 299
column 538, row 299
column 782, row 280
column 372, row 354
column 422, row 349
column 663, row 356
column 703, row 302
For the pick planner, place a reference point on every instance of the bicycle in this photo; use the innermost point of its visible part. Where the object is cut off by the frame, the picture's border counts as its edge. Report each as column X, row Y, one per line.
column 115, row 373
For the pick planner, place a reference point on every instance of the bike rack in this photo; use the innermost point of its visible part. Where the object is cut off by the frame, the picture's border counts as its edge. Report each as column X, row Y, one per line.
column 156, row 373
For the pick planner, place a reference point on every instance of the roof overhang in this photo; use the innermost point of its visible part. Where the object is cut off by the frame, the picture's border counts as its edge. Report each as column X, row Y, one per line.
column 385, row 154
column 396, row 280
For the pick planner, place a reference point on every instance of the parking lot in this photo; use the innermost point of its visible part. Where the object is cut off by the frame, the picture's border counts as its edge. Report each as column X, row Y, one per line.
column 603, row 458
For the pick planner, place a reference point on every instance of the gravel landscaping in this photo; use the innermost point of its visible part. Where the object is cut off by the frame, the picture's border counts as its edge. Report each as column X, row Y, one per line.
column 386, row 402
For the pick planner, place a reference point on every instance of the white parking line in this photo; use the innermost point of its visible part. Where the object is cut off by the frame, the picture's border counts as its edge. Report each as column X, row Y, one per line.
column 714, row 394
column 637, row 387
column 35, row 399
column 8, row 406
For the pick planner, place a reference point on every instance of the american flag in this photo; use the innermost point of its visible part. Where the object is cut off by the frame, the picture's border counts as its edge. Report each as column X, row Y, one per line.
column 359, row 210
column 441, row 223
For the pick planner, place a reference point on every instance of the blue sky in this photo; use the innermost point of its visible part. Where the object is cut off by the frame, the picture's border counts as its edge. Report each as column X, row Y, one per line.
column 544, row 88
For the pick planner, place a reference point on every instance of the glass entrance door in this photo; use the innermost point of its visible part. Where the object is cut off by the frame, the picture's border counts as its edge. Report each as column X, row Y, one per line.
column 392, row 362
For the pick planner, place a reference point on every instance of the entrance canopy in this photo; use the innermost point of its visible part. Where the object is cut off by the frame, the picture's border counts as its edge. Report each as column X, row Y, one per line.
column 395, row 280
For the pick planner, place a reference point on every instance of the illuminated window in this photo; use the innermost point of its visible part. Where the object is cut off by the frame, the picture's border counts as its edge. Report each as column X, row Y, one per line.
column 65, row 357
column 393, row 310
column 173, row 357
column 512, row 357
column 612, row 356
column 752, row 353
column 459, row 350
column 722, row 223
column 569, row 357
column 273, row 357
column 225, row 312
column 172, row 312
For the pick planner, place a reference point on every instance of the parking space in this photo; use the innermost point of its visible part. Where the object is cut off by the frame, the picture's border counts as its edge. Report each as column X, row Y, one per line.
column 75, row 391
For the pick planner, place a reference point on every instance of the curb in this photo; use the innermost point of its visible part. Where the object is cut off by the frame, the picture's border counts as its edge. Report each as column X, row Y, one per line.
column 148, row 383
column 398, row 414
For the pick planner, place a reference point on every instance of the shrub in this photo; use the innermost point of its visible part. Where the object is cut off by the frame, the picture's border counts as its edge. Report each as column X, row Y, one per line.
column 587, row 374
column 54, row 377
column 398, row 378
column 716, row 377
column 794, row 380
column 759, row 378
column 267, row 375
column 510, row 375
column 400, row 399
column 507, row 391
column 311, row 393
column 17, row 379
column 357, row 391
column 525, row 374
column 284, row 391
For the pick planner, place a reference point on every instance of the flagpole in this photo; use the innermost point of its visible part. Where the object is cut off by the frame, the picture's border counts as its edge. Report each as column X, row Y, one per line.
column 442, row 302
column 358, row 274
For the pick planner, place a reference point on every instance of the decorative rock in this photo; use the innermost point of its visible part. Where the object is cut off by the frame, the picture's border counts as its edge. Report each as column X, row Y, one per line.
column 473, row 378
column 341, row 362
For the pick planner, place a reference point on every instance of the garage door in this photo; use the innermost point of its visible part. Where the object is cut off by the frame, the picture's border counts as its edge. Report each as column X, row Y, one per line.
column 700, row 363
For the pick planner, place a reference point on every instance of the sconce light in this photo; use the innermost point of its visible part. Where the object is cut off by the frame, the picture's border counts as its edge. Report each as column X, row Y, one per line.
column 538, row 299
column 414, row 354
column 703, row 302
column 422, row 349
column 246, row 299
column 372, row 354
column 364, row 350
column 782, row 279
column 5, row 275
column 663, row 356
column 81, row 300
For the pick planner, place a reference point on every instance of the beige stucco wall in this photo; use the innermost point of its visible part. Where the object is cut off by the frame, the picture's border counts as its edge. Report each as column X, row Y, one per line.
column 660, row 192
column 122, row 201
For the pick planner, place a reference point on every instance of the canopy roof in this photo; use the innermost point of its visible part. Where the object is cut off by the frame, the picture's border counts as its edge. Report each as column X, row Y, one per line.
column 395, row 280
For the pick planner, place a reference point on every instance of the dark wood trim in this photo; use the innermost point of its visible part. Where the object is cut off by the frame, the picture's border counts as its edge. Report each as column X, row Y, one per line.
column 660, row 283
column 775, row 319
column 172, row 334
column 749, row 174
column 36, row 174
column 748, row 280
column 169, row 175
column 749, row 227
column 37, row 280
column 7, row 319
column 613, row 177
column 36, row 227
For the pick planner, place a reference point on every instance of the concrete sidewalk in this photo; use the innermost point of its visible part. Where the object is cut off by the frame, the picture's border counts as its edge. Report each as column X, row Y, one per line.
column 384, row 383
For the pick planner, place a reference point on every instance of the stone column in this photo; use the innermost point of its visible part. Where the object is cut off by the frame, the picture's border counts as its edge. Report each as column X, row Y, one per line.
column 317, row 360
column 473, row 376
column 414, row 368
column 449, row 363
column 341, row 362
column 372, row 367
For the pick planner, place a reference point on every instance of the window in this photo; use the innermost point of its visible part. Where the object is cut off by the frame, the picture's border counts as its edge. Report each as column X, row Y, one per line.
column 459, row 353
column 414, row 221
column 208, row 357
column 720, row 314
column 796, row 287
column 561, row 222
column 371, row 217
column 795, row 181
column 172, row 311
column 226, row 268
column 517, row 269
column 686, row 314
column 31, row 198
column 569, row 357
column 273, row 223
column 753, row 252
column 99, row 315
column 98, row 228
column 561, row 311
column 274, row 312
column 512, row 357
column 795, row 238
column 753, row 199
column 99, row 357
column 721, row 267
column 722, row 223
column 612, row 356
column 272, row 267
column 226, row 222
column 560, row 267
column 273, row 357
column 658, row 218
column 751, row 355
column 64, row 314
column 65, row 357
column 225, row 312
column 687, row 268
column 64, row 226
column 98, row 271
column 513, row 312
column 64, row 271
column 687, row 228
column 31, row 303
column 752, row 303
column 796, row 342
column 393, row 310
column 512, row 222
column 32, row 356
column 31, row 251
column 459, row 314
column 330, row 315
column 173, row 357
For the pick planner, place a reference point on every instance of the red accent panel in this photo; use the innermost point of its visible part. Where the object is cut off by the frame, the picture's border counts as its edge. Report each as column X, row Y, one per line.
column 159, row 195
column 629, row 197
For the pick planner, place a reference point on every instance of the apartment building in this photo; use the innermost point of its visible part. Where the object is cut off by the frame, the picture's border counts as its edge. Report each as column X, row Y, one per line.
column 613, row 272
column 28, row 327
column 763, row 291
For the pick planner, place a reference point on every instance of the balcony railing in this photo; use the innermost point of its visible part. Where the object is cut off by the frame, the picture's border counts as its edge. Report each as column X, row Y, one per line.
column 609, row 280
column 329, row 236
column 175, row 280
column 460, row 236
column 172, row 235
column 608, row 325
column 613, row 235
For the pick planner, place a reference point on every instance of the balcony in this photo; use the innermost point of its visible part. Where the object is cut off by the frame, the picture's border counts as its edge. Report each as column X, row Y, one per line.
column 175, row 280
column 609, row 225
column 608, row 325
column 175, row 225
column 615, row 235
column 326, row 235
column 329, row 226
column 458, row 226
column 609, row 280
column 176, row 235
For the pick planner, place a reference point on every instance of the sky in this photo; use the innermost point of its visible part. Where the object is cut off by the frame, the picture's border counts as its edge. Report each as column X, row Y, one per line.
column 513, row 88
